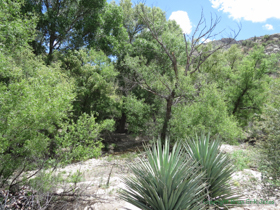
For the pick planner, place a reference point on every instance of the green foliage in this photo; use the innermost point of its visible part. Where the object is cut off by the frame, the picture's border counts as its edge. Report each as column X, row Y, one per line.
column 242, row 80
column 15, row 29
column 61, row 23
column 80, row 139
column 265, row 37
column 208, row 112
column 240, row 160
column 94, row 77
column 166, row 180
column 33, row 102
column 75, row 177
column 111, row 35
column 75, row 24
column 249, row 93
column 58, row 111
column 222, row 96
column 248, row 43
column 137, row 114
column 36, row 102
column 217, row 166
column 46, row 181
column 268, row 125
column 271, row 161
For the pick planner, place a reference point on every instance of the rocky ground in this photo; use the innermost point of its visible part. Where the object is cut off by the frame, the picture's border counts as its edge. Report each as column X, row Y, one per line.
column 102, row 181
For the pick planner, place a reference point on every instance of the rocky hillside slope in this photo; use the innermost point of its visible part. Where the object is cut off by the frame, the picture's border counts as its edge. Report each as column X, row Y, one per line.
column 270, row 42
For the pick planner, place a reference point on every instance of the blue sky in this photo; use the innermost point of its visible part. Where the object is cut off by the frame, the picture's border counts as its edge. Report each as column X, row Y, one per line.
column 257, row 17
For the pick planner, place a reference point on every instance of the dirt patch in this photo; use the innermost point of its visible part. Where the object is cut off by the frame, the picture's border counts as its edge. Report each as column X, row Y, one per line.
column 102, row 180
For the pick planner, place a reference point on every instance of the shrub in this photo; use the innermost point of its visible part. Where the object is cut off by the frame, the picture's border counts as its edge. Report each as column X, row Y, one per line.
column 216, row 165
column 268, row 126
column 248, row 43
column 265, row 37
column 34, row 100
column 208, row 112
column 271, row 160
column 166, row 180
column 81, row 139
column 240, row 159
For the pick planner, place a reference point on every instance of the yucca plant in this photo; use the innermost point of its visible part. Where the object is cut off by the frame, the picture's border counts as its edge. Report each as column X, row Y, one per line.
column 165, row 181
column 218, row 169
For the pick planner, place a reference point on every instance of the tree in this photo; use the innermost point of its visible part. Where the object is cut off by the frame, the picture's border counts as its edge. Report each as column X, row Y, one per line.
column 15, row 29
column 249, row 84
column 94, row 77
column 67, row 24
column 169, row 73
column 243, row 78
column 145, row 104
column 36, row 102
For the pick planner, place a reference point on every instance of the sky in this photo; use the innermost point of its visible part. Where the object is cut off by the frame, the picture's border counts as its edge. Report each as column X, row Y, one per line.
column 256, row 17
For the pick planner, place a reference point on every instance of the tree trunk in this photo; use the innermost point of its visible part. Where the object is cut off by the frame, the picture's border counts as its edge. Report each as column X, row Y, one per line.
column 51, row 48
column 121, row 124
column 239, row 100
column 169, row 103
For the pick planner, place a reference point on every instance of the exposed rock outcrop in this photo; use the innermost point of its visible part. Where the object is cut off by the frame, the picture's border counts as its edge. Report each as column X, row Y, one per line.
column 270, row 42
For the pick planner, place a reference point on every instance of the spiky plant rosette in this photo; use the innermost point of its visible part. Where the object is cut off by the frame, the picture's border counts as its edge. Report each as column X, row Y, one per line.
column 165, row 181
column 218, row 168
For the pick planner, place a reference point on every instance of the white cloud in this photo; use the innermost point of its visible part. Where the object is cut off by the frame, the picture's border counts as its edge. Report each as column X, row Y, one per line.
column 268, row 27
column 182, row 18
column 251, row 10
column 206, row 40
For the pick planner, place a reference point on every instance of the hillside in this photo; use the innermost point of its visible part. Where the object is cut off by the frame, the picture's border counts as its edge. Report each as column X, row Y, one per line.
column 270, row 42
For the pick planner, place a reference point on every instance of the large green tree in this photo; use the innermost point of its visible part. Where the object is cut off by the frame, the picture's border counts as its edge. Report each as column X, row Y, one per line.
column 15, row 29
column 67, row 24
column 145, row 104
column 36, row 102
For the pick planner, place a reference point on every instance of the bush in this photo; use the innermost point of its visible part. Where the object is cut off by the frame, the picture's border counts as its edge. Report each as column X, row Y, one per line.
column 94, row 77
column 265, row 37
column 208, row 112
column 34, row 100
column 217, row 166
column 166, row 180
column 271, row 161
column 268, row 126
column 248, row 43
column 81, row 140
column 240, row 160
column 35, row 130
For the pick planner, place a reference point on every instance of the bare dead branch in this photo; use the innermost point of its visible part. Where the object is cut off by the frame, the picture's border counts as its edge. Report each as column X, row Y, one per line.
column 24, row 166
column 198, row 51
